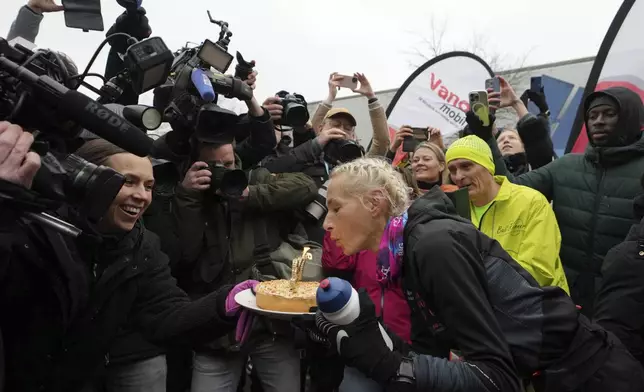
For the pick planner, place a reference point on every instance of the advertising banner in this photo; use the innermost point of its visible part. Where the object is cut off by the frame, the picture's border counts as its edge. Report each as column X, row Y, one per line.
column 619, row 62
column 437, row 94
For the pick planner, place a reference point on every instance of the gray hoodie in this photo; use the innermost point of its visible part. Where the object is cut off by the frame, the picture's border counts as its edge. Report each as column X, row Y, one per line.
column 26, row 25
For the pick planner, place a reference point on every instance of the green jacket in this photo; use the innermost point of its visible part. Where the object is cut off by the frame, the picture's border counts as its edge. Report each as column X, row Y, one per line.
column 217, row 238
column 592, row 196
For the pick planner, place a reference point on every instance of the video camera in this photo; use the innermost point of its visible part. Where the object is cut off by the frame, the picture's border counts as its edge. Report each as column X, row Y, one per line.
column 38, row 93
column 147, row 65
column 196, row 78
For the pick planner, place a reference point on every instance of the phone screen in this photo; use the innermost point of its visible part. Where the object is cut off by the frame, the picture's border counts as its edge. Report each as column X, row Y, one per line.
column 420, row 133
column 494, row 84
column 536, row 84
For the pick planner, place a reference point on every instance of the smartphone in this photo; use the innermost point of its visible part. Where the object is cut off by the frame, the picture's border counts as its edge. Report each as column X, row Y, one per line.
column 83, row 14
column 411, row 142
column 536, row 84
column 494, row 84
column 480, row 106
column 350, row 82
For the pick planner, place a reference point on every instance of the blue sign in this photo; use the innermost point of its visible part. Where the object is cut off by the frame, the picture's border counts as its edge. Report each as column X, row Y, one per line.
column 563, row 100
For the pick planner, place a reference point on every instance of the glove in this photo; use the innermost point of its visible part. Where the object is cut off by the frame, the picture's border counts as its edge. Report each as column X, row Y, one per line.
column 326, row 369
column 233, row 309
column 476, row 126
column 361, row 344
column 539, row 99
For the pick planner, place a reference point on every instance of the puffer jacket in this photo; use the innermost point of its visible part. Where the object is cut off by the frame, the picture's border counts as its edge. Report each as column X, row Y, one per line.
column 620, row 300
column 389, row 300
column 523, row 222
column 592, row 195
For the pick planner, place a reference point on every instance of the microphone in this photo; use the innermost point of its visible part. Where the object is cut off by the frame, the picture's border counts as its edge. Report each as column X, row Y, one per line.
column 82, row 110
column 202, row 82
column 105, row 123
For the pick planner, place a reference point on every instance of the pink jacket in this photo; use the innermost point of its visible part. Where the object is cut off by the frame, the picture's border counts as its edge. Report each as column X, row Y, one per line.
column 363, row 266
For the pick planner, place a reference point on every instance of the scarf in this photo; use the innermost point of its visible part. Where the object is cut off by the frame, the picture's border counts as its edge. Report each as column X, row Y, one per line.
column 390, row 252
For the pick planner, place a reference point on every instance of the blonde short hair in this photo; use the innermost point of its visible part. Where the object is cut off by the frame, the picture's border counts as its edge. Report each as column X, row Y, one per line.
column 366, row 174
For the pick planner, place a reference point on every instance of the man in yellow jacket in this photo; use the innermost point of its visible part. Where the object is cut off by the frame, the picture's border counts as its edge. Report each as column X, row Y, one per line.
column 518, row 217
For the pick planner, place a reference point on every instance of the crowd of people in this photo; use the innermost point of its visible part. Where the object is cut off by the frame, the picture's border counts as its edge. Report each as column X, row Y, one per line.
column 492, row 265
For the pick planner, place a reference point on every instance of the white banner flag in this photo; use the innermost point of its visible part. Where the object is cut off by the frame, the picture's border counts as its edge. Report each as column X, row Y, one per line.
column 437, row 94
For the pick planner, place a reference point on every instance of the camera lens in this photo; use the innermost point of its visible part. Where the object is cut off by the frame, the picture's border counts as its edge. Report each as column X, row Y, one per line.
column 296, row 115
column 90, row 186
column 233, row 183
column 316, row 210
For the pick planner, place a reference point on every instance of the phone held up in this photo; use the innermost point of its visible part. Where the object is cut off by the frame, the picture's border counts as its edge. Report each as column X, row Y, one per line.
column 536, row 84
column 480, row 106
column 493, row 84
column 350, row 82
column 411, row 142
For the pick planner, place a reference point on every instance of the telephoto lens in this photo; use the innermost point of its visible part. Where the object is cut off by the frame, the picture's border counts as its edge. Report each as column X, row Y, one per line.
column 230, row 182
column 295, row 112
column 342, row 151
column 316, row 210
column 86, row 187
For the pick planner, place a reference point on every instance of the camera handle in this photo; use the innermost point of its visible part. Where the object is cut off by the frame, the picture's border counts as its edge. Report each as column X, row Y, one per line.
column 224, row 34
column 27, row 209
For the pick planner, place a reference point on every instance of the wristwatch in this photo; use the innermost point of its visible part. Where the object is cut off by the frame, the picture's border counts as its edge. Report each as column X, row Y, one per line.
column 406, row 372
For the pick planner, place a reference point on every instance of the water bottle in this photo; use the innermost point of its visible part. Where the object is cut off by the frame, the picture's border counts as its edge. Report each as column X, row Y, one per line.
column 339, row 303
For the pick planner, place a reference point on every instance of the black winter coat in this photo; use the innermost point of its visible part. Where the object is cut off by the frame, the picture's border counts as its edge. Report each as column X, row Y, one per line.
column 63, row 302
column 620, row 301
column 467, row 294
column 592, row 195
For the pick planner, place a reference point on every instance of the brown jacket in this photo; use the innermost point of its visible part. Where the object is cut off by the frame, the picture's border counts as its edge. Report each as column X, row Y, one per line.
column 380, row 139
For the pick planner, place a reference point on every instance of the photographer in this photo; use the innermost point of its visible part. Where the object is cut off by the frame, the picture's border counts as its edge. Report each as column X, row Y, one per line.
column 380, row 139
column 218, row 234
column 68, row 297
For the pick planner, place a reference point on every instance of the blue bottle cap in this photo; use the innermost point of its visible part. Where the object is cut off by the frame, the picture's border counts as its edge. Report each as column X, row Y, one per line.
column 333, row 294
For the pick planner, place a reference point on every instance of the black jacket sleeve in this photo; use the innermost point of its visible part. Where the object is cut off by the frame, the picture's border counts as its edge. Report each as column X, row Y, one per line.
column 296, row 159
column 260, row 141
column 164, row 312
column 535, row 134
column 454, row 279
column 619, row 303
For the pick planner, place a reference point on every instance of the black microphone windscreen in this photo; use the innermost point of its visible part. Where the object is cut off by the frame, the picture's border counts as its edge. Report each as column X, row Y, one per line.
column 98, row 119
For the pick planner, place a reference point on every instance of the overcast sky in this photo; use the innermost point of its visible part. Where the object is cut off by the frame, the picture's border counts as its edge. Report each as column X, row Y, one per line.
column 297, row 43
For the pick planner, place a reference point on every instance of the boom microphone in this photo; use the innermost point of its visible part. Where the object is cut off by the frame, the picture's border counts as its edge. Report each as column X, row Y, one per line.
column 105, row 123
column 82, row 110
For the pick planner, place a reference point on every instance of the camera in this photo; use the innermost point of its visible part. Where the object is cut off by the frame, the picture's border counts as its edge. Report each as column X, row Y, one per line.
column 147, row 64
column 342, row 150
column 230, row 182
column 295, row 112
column 316, row 210
column 35, row 93
column 71, row 179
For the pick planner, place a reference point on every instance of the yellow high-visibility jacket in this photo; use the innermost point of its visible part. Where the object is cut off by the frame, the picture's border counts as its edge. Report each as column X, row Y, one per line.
column 523, row 222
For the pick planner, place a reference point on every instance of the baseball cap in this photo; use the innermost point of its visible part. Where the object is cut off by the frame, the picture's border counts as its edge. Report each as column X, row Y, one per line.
column 337, row 112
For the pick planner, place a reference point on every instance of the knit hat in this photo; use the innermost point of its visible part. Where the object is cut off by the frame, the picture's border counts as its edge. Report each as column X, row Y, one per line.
column 472, row 148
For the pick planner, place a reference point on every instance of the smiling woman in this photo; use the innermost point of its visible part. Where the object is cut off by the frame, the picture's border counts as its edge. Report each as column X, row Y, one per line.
column 136, row 194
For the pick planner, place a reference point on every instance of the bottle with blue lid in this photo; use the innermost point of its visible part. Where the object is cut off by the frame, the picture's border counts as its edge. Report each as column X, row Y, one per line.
column 340, row 304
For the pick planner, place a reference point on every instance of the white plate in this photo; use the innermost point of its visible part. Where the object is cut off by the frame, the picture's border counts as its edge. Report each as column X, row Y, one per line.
column 247, row 299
